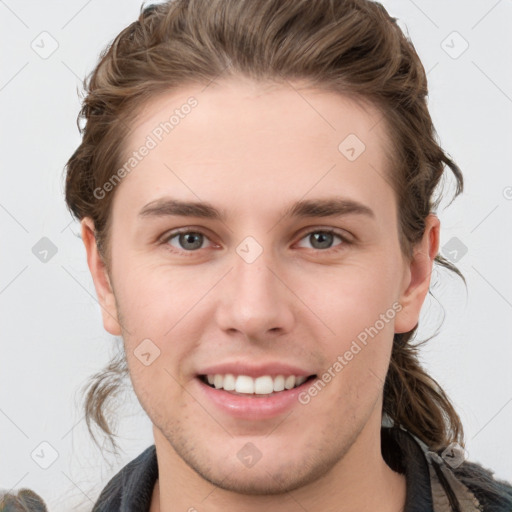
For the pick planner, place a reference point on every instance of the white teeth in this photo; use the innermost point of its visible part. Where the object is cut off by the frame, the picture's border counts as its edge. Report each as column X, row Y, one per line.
column 299, row 381
column 229, row 382
column 244, row 384
column 279, row 383
column 218, row 381
column 289, row 383
column 264, row 385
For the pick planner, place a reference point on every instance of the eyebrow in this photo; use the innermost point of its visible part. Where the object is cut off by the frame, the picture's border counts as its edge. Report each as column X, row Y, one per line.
column 329, row 207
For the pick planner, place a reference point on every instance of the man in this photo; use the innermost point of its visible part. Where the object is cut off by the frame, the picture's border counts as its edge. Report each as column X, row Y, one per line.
column 247, row 239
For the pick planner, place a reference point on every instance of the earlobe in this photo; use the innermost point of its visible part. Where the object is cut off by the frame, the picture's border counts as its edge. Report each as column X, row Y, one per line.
column 100, row 278
column 417, row 275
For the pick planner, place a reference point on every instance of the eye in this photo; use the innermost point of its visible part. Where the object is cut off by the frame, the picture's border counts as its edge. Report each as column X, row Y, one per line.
column 186, row 240
column 191, row 241
column 322, row 239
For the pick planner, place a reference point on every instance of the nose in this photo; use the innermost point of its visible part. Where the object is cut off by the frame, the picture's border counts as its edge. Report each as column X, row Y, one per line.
column 255, row 299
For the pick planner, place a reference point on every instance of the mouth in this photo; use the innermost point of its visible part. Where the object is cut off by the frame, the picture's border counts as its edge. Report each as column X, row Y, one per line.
column 255, row 387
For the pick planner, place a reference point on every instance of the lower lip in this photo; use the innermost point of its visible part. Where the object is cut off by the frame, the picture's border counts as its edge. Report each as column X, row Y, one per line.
column 255, row 407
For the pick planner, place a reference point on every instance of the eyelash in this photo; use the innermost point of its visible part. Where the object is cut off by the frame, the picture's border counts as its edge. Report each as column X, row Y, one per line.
column 165, row 241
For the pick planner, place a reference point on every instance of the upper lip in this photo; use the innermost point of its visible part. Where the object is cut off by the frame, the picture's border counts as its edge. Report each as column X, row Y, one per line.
column 271, row 368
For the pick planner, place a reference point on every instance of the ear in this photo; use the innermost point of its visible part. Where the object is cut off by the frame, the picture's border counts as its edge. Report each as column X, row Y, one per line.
column 101, row 278
column 417, row 273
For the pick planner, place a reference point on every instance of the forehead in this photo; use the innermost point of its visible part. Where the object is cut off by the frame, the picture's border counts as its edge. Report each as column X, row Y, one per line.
column 276, row 140
column 255, row 108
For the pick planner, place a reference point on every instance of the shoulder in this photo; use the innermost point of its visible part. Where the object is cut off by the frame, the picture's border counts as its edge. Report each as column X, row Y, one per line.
column 132, row 487
column 466, row 484
column 454, row 483
column 493, row 494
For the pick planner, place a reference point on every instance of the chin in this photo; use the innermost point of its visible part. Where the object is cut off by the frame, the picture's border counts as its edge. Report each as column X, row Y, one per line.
column 264, row 480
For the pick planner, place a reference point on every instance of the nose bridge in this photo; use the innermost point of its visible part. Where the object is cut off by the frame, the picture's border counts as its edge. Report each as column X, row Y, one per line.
column 256, row 300
column 253, row 280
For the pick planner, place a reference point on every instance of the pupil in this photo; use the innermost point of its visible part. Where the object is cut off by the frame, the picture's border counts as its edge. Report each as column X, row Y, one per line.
column 189, row 238
column 322, row 237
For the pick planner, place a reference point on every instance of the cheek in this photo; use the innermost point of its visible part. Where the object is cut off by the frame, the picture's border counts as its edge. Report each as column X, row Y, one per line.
column 352, row 297
column 155, row 299
column 158, row 333
column 357, row 306
column 155, row 369
column 160, row 302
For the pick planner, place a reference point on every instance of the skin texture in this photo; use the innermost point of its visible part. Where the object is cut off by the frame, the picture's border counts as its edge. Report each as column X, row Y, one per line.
column 252, row 150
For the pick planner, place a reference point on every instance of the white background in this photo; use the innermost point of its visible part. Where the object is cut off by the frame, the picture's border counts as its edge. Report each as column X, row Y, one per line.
column 52, row 337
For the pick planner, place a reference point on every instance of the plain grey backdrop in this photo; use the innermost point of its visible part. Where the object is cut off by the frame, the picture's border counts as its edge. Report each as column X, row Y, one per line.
column 52, row 337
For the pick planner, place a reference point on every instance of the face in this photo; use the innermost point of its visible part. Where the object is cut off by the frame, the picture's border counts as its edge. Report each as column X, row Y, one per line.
column 255, row 288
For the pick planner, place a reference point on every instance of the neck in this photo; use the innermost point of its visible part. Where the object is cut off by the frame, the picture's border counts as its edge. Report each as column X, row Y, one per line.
column 360, row 481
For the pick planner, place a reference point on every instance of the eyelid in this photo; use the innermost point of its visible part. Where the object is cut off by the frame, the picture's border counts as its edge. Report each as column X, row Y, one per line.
column 165, row 239
column 346, row 238
column 344, row 235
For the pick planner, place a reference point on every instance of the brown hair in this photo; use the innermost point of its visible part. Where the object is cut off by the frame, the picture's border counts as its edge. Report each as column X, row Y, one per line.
column 351, row 47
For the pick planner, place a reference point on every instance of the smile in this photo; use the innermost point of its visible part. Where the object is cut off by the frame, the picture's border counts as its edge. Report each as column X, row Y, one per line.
column 247, row 385
column 252, row 398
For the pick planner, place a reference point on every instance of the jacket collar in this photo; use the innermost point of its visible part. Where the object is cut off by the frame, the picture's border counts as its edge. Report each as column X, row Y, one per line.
column 447, row 492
